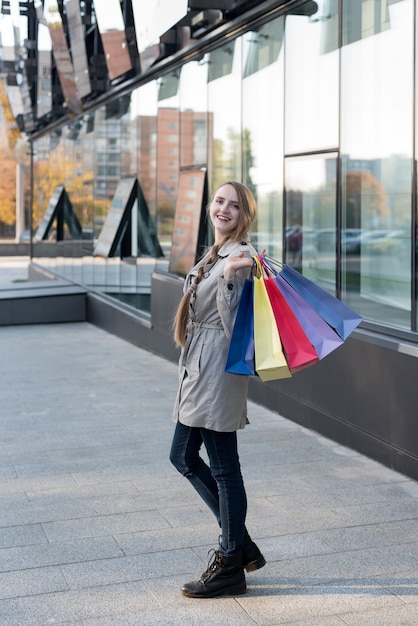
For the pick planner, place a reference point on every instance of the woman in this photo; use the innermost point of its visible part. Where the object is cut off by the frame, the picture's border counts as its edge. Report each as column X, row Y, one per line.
column 211, row 405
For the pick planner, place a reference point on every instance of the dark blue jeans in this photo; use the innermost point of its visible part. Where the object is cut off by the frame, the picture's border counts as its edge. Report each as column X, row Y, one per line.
column 221, row 485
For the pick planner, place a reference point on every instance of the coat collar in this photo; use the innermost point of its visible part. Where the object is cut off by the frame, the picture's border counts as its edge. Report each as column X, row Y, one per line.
column 229, row 246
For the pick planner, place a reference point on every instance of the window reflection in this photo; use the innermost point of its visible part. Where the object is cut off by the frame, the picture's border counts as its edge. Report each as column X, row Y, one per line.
column 20, row 96
column 44, row 93
column 263, row 133
column 194, row 118
column 143, row 150
column 143, row 144
column 224, row 105
column 361, row 21
column 264, row 46
column 415, row 208
column 78, row 47
column 312, row 79
column 311, row 229
column 168, row 152
column 376, row 144
column 152, row 19
column 189, row 222
column 63, row 62
column 112, row 31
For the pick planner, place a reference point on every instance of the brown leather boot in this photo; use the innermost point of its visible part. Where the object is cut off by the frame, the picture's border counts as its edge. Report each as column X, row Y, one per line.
column 223, row 577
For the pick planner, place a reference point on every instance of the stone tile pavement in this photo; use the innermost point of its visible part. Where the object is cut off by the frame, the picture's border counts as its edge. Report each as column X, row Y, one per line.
column 97, row 529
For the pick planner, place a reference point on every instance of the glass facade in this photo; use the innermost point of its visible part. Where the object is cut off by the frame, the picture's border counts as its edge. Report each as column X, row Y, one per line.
column 323, row 134
column 262, row 136
column 311, row 229
column 377, row 96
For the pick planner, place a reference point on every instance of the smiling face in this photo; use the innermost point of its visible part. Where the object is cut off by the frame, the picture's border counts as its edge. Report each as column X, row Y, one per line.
column 224, row 212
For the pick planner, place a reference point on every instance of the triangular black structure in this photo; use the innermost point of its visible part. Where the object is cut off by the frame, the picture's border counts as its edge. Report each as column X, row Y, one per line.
column 60, row 212
column 115, row 238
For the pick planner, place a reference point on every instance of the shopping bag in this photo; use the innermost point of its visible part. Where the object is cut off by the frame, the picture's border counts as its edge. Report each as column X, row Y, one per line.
column 270, row 361
column 240, row 359
column 338, row 315
column 323, row 338
column 299, row 351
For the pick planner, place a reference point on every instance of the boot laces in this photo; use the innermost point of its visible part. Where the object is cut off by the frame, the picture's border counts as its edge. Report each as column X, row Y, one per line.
column 215, row 562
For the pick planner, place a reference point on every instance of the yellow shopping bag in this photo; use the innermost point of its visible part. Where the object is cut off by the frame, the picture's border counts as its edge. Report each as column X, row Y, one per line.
column 270, row 362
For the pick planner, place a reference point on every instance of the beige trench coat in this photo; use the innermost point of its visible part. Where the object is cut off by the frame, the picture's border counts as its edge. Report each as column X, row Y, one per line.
column 208, row 397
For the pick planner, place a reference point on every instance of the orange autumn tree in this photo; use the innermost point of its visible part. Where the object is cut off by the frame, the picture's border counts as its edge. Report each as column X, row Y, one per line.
column 58, row 168
column 48, row 174
column 7, row 188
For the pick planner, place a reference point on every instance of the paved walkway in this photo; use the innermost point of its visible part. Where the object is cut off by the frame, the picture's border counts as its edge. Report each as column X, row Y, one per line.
column 97, row 529
column 13, row 269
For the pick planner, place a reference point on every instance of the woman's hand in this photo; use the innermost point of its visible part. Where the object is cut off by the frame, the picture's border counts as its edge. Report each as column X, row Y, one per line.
column 235, row 263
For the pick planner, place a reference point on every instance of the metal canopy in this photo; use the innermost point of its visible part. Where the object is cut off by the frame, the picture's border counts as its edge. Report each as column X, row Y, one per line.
column 96, row 46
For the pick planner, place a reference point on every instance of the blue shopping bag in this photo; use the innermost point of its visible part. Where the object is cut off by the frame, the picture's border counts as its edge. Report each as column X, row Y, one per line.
column 240, row 359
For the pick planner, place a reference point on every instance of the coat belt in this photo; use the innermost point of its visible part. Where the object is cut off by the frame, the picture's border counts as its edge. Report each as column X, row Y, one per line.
column 206, row 325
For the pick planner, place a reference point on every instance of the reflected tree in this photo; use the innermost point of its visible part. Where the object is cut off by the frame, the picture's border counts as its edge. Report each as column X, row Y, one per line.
column 366, row 200
column 7, row 188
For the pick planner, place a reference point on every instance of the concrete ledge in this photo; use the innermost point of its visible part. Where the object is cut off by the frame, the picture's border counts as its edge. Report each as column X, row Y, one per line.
column 42, row 302
column 118, row 319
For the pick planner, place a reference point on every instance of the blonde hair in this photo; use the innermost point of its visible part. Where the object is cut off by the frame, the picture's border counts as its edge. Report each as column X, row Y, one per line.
column 247, row 214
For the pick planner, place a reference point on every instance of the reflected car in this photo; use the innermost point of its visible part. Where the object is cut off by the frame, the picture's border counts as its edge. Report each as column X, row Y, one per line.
column 388, row 241
column 24, row 236
column 351, row 240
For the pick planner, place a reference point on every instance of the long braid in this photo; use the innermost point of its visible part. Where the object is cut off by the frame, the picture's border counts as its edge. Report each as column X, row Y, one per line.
column 182, row 315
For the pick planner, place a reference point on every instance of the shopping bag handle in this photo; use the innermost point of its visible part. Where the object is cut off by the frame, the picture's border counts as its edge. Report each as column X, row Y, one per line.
column 264, row 265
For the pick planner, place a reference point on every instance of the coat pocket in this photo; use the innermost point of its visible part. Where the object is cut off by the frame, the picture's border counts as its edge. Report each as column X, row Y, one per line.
column 192, row 366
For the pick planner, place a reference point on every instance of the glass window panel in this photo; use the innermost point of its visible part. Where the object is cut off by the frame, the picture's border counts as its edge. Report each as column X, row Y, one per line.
column 263, row 133
column 87, row 175
column 415, row 226
column 112, row 31
column 376, row 148
column 169, row 87
column 144, row 149
column 21, row 97
column 63, row 62
column 263, row 46
column 224, row 106
column 188, row 221
column 9, row 133
column 51, row 161
column 168, row 154
column 78, row 46
column 221, row 61
column 13, row 92
column 44, row 102
column 152, row 19
column 311, row 228
column 312, row 83
column 193, row 120
column 365, row 18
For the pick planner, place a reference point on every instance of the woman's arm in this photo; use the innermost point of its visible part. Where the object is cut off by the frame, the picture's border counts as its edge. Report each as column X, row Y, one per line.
column 237, row 268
